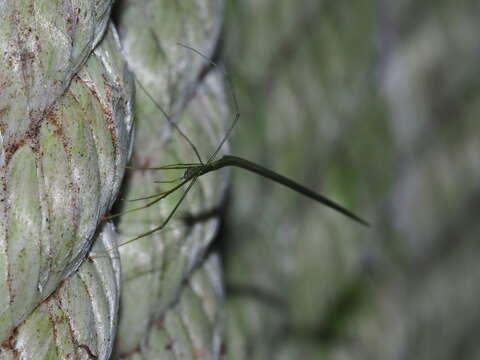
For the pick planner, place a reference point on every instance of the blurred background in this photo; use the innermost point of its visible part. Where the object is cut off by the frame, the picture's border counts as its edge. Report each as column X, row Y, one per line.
column 374, row 104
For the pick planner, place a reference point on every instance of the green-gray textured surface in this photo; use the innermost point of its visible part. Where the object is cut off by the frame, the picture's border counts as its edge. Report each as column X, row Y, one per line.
column 193, row 327
column 66, row 126
column 158, row 266
column 66, row 134
column 374, row 103
column 80, row 318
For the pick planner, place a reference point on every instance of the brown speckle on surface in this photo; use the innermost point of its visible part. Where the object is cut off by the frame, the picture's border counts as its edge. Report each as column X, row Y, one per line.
column 29, row 137
column 72, row 22
column 10, row 150
column 4, row 111
column 27, row 59
column 106, row 108
column 89, row 352
column 11, row 344
column 52, row 117
column 55, row 293
column 169, row 345
column 53, row 327
column 73, row 97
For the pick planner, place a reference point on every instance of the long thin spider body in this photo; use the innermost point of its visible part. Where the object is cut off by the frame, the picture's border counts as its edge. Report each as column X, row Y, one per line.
column 230, row 160
column 194, row 170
